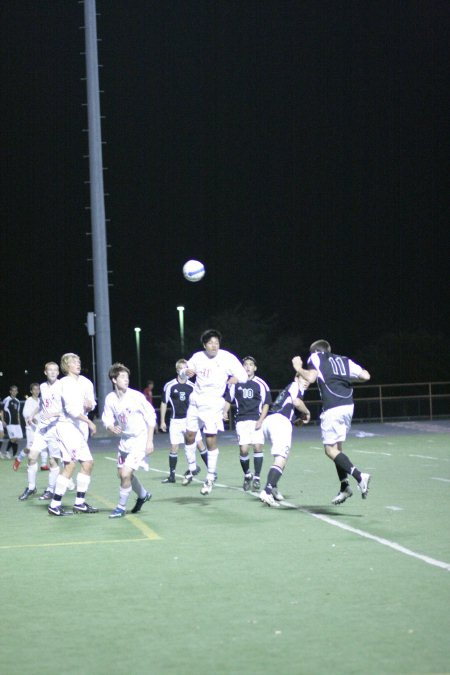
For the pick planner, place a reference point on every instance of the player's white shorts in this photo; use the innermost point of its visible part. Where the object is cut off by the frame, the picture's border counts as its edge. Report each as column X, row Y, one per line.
column 14, row 431
column 247, row 434
column 278, row 431
column 208, row 417
column 132, row 460
column 72, row 443
column 335, row 422
column 134, row 444
column 177, row 427
column 43, row 439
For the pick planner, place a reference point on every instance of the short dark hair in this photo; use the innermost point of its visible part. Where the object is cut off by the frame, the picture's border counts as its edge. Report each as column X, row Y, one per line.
column 117, row 368
column 249, row 358
column 320, row 346
column 208, row 334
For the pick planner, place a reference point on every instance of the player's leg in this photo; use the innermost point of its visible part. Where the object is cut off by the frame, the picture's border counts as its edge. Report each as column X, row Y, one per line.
column 258, row 458
column 125, row 474
column 83, row 481
column 211, row 417
column 279, row 431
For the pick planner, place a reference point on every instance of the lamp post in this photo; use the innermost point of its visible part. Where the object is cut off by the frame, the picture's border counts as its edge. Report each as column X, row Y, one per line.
column 180, row 309
column 137, row 333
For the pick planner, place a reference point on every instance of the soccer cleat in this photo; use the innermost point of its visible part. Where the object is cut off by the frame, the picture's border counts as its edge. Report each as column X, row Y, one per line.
column 187, row 478
column 342, row 495
column 196, row 470
column 277, row 495
column 247, row 482
column 27, row 493
column 45, row 467
column 58, row 511
column 364, row 484
column 256, row 483
column 16, row 464
column 206, row 487
column 46, row 496
column 140, row 501
column 267, row 498
column 117, row 513
column 84, row 508
column 169, row 479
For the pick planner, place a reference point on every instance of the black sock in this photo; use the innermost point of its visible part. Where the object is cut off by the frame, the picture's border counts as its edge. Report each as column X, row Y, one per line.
column 343, row 462
column 342, row 477
column 204, row 456
column 273, row 477
column 173, row 459
column 258, row 458
column 245, row 463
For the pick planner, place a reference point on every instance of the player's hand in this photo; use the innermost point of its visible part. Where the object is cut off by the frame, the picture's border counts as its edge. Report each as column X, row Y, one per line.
column 149, row 449
column 258, row 425
column 297, row 363
column 163, row 427
column 115, row 429
column 232, row 380
column 190, row 372
column 92, row 427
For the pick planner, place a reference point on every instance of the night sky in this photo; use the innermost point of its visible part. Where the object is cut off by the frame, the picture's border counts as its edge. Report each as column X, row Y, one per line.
column 298, row 148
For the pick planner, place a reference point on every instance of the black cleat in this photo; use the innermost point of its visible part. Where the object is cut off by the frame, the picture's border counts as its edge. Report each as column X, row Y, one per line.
column 84, row 508
column 247, row 482
column 46, row 496
column 140, row 501
column 169, row 479
column 27, row 493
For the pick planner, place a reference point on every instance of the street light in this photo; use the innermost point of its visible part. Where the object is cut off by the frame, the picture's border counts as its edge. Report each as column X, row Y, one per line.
column 137, row 333
column 180, row 309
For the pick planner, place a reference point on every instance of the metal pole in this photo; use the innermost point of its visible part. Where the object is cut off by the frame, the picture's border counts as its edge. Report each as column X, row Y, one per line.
column 181, row 318
column 99, row 258
column 137, row 332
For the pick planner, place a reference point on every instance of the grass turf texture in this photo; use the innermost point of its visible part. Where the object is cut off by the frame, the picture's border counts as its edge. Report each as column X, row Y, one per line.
column 224, row 584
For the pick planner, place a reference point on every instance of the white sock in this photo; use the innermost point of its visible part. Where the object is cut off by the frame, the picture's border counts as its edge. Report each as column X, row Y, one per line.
column 124, row 493
column 137, row 487
column 60, row 489
column 52, row 477
column 44, row 457
column 189, row 451
column 32, row 473
column 83, row 481
column 213, row 456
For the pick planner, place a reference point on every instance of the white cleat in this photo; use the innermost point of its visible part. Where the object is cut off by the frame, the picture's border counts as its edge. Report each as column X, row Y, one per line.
column 364, row 484
column 206, row 487
column 267, row 498
column 342, row 495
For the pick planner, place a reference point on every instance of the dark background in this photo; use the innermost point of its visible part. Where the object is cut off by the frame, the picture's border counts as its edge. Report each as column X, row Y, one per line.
column 299, row 149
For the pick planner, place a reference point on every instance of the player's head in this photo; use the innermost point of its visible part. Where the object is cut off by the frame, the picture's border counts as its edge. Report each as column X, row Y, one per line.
column 210, row 334
column 70, row 361
column 51, row 370
column 13, row 390
column 249, row 363
column 34, row 388
column 320, row 346
column 180, row 364
column 116, row 369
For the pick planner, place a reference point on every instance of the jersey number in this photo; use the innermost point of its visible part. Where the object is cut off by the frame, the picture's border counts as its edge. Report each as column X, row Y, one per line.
column 337, row 365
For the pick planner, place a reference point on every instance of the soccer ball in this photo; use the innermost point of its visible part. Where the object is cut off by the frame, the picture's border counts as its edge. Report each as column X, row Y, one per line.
column 193, row 270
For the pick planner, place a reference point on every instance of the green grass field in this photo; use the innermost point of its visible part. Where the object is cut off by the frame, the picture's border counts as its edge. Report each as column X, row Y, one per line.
column 223, row 584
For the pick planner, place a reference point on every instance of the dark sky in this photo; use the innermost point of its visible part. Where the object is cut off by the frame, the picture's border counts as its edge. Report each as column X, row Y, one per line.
column 299, row 149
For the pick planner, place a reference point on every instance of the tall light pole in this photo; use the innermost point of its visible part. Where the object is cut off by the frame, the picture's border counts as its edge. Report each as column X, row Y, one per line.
column 137, row 333
column 180, row 309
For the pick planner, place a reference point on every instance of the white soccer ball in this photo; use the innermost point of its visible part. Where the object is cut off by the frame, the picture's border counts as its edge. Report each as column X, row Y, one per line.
column 193, row 270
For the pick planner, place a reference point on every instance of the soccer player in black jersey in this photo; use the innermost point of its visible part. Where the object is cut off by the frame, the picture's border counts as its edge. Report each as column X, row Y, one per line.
column 176, row 395
column 252, row 399
column 277, row 428
column 335, row 375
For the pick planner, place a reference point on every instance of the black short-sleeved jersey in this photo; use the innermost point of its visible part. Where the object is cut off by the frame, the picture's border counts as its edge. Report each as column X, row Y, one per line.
column 334, row 376
column 176, row 395
column 250, row 397
column 11, row 410
column 284, row 402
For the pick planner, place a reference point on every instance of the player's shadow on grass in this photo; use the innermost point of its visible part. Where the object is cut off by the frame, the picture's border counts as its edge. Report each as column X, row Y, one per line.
column 325, row 511
column 203, row 501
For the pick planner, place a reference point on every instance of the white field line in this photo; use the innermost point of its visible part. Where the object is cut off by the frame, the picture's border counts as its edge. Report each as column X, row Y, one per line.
column 444, row 480
column 348, row 528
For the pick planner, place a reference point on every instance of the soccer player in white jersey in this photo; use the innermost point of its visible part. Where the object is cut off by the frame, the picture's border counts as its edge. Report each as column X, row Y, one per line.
column 277, row 428
column 335, row 376
column 28, row 413
column 252, row 401
column 176, row 394
column 72, row 431
column 45, row 415
column 129, row 415
column 213, row 369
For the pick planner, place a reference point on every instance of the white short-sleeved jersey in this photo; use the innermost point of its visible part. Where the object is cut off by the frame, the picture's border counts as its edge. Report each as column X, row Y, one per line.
column 212, row 373
column 133, row 414
column 75, row 393
column 50, row 404
column 31, row 405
